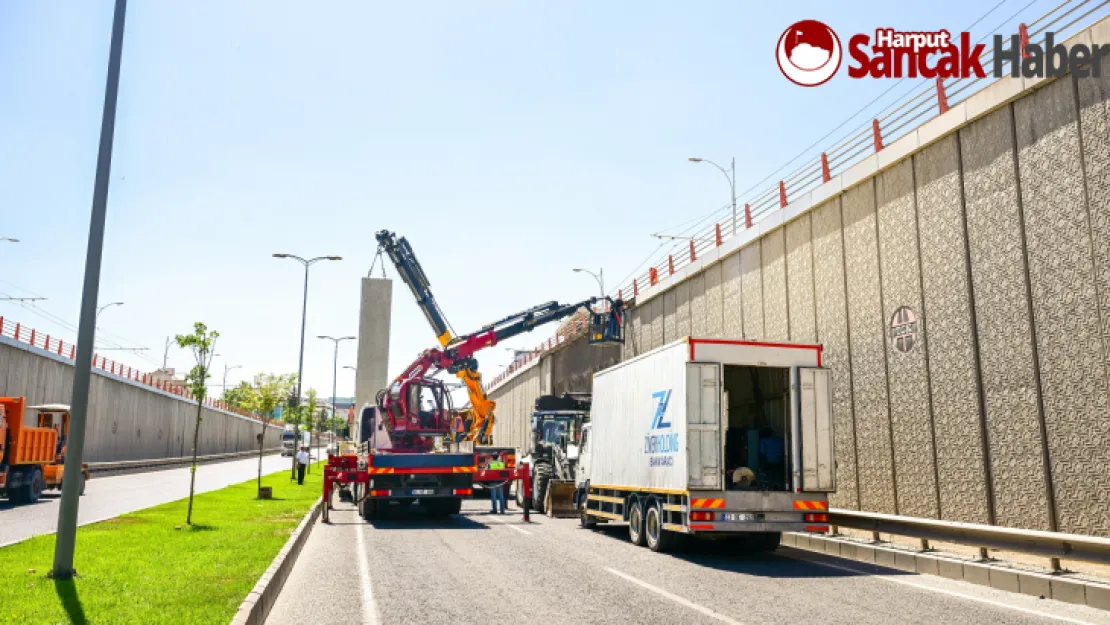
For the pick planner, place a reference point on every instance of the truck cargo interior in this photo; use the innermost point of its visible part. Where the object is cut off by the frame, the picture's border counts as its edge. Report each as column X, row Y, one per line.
column 757, row 456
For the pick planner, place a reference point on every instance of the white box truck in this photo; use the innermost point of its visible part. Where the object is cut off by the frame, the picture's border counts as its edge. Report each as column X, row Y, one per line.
column 710, row 437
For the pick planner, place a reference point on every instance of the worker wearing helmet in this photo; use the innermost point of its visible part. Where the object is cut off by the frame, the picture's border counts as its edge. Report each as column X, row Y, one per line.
column 496, row 493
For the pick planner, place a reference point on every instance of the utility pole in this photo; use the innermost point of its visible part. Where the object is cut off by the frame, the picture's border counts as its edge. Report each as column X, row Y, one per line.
column 79, row 404
column 166, row 354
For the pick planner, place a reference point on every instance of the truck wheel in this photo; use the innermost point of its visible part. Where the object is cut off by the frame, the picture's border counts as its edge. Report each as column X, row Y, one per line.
column 371, row 509
column 539, row 487
column 658, row 539
column 454, row 506
column 16, row 495
column 636, row 523
column 32, row 490
column 586, row 520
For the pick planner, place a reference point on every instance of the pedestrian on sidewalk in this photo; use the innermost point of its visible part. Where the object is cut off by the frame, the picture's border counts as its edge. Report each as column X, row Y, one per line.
column 302, row 464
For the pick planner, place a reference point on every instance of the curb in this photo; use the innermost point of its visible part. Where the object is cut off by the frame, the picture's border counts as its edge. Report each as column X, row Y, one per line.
column 256, row 607
column 1062, row 587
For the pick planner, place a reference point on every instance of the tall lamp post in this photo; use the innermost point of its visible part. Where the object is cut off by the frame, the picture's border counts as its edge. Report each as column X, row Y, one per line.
column 731, row 183
column 334, row 374
column 101, row 309
column 597, row 276
column 304, row 311
column 226, row 369
column 82, row 367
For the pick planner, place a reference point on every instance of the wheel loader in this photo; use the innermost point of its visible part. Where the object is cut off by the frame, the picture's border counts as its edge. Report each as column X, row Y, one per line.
column 556, row 428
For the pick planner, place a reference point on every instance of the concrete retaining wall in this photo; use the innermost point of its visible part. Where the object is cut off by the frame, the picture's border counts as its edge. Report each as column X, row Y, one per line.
column 986, row 233
column 127, row 421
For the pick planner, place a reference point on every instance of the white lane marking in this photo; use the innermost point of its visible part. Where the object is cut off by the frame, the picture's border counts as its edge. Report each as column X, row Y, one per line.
column 369, row 606
column 679, row 600
column 507, row 524
column 952, row 593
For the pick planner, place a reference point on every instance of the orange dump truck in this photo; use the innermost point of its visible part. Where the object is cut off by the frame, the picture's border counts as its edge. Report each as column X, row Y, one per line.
column 32, row 458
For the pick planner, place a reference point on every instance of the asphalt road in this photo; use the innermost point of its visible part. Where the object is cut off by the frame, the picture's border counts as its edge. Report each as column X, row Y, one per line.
column 479, row 568
column 108, row 497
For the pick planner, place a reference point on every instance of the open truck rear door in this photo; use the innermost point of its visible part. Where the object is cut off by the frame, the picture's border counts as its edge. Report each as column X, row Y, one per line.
column 703, row 425
column 815, row 416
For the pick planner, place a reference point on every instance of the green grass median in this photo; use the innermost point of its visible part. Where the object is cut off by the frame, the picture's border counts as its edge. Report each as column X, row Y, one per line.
column 148, row 567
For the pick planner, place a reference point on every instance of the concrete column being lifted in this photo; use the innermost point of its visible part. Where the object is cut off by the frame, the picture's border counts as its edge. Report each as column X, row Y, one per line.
column 373, row 340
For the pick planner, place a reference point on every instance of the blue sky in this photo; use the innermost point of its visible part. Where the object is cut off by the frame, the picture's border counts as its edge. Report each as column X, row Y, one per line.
column 510, row 141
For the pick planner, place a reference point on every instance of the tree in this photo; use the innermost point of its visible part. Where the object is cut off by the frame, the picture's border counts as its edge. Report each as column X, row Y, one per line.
column 266, row 395
column 237, row 395
column 202, row 343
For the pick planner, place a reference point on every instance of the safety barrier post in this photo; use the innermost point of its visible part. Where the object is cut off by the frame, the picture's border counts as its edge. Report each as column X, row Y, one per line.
column 653, row 276
column 635, row 287
column 17, row 326
column 747, row 216
column 1023, row 32
column 693, row 254
column 826, row 175
column 32, row 337
column 670, row 265
column 620, row 294
column 60, row 347
column 718, row 234
column 73, row 352
column 782, row 194
column 942, row 97
column 878, row 133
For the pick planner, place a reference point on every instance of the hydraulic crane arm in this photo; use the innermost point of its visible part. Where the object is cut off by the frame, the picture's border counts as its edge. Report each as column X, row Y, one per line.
column 457, row 353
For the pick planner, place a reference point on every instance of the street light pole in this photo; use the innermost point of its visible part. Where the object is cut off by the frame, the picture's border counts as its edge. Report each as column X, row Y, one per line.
column 731, row 183
column 334, row 375
column 304, row 312
column 101, row 309
column 599, row 276
column 226, row 369
column 79, row 404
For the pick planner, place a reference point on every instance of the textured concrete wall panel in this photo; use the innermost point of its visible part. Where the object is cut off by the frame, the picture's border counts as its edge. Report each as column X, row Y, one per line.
column 714, row 303
column 752, row 296
column 911, row 418
column 698, row 320
column 947, row 308
column 776, row 316
column 682, row 309
column 832, row 333
column 1003, row 323
column 1094, row 122
column 799, row 273
column 655, row 309
column 1065, row 307
column 731, row 280
column 865, row 319
column 670, row 316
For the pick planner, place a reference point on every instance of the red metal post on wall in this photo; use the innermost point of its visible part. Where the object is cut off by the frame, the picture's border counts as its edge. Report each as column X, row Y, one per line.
column 1023, row 32
column 635, row 287
column 826, row 175
column 620, row 294
column 782, row 194
column 73, row 352
column 653, row 276
column 747, row 215
column 875, row 130
column 32, row 337
column 718, row 235
column 670, row 265
column 60, row 348
column 942, row 97
column 17, row 330
column 693, row 253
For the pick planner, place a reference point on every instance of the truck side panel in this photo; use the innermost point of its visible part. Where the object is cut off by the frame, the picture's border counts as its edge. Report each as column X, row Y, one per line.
column 639, row 422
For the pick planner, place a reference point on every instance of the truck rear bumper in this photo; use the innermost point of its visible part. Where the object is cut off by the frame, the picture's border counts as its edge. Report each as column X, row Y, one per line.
column 722, row 527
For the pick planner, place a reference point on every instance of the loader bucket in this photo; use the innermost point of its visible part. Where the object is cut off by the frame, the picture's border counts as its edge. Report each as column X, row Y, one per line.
column 559, row 500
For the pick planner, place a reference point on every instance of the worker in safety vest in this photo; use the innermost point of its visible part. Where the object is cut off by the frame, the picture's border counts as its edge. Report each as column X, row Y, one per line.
column 460, row 429
column 496, row 493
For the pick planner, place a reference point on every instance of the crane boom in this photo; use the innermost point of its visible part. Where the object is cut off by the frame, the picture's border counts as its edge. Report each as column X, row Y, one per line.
column 456, row 353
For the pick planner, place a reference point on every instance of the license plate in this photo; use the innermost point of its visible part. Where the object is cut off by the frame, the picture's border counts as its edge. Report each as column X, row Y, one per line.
column 424, row 491
column 737, row 516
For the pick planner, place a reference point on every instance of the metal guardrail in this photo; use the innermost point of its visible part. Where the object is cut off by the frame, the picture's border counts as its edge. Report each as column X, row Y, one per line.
column 1033, row 542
